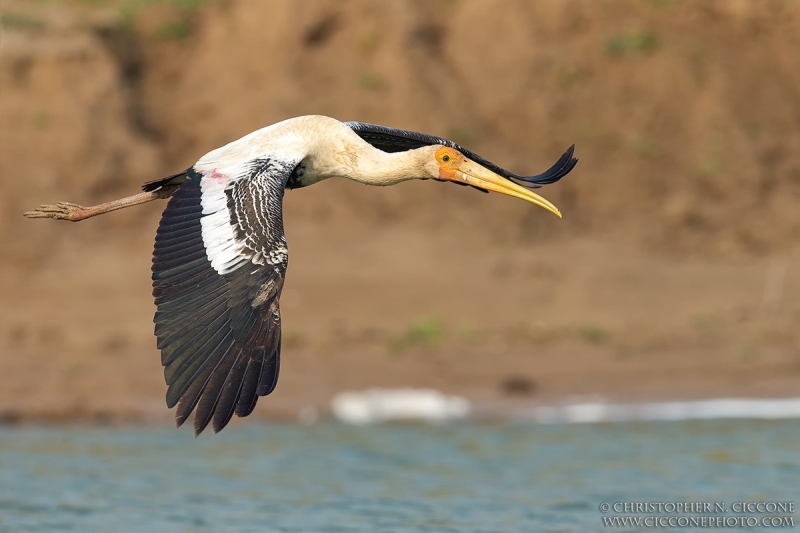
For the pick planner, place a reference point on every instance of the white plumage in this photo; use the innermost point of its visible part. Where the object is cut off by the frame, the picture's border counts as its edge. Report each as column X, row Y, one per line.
column 220, row 255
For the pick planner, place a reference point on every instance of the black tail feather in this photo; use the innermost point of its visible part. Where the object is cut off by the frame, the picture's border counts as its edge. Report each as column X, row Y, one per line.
column 175, row 179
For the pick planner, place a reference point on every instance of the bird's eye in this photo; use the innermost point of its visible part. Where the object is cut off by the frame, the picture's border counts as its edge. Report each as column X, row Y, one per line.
column 445, row 157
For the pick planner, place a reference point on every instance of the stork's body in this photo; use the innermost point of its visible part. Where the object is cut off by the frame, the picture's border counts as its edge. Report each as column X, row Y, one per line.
column 220, row 254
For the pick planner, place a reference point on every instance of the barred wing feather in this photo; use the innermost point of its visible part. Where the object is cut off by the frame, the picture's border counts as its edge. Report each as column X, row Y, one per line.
column 219, row 263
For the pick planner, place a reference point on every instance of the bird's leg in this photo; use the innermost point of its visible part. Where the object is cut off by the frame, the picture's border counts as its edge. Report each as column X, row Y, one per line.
column 74, row 213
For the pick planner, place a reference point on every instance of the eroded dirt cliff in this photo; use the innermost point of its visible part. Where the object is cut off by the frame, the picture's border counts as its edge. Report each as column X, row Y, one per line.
column 676, row 256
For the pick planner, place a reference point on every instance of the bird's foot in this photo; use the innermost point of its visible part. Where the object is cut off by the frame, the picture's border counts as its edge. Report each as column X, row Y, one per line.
column 59, row 211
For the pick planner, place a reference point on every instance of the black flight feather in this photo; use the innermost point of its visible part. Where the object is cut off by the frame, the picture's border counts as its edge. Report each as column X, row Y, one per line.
column 219, row 334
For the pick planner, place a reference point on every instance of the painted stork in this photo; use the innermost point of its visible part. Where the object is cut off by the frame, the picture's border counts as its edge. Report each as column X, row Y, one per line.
column 220, row 252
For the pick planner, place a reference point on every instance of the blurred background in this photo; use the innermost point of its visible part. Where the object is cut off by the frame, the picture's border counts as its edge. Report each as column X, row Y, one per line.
column 673, row 275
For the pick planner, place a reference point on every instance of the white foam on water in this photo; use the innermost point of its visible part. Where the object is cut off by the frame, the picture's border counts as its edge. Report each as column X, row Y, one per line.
column 592, row 412
column 384, row 405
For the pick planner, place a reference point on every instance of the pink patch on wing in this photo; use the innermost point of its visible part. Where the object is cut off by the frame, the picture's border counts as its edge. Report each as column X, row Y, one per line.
column 214, row 181
column 219, row 178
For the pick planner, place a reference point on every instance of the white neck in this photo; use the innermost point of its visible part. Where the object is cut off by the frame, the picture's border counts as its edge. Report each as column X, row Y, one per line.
column 348, row 156
column 376, row 167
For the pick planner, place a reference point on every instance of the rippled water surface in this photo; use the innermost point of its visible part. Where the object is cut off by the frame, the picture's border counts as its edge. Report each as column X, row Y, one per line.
column 332, row 477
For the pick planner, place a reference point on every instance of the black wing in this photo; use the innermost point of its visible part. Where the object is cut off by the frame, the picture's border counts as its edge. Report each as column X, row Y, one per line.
column 218, row 322
column 393, row 140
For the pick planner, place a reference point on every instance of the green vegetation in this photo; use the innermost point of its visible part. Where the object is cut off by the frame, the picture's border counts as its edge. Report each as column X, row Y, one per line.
column 642, row 41
column 567, row 76
column 20, row 21
column 711, row 165
column 594, row 334
column 291, row 338
column 426, row 333
column 129, row 10
column 371, row 80
column 187, row 5
column 646, row 147
column 369, row 40
column 616, row 45
column 712, row 162
column 174, row 29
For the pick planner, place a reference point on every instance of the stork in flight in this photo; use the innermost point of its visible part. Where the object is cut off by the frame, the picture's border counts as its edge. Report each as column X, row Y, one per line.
column 220, row 254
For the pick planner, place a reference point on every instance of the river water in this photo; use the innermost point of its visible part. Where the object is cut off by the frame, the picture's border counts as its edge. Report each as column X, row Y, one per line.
column 393, row 478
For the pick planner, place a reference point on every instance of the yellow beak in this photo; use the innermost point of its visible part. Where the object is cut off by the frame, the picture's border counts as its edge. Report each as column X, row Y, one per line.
column 473, row 174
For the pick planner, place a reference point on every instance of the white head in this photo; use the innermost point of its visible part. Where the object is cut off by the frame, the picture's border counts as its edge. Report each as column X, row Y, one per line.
column 355, row 159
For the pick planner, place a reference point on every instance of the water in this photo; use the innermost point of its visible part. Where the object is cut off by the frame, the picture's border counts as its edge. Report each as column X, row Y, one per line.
column 332, row 477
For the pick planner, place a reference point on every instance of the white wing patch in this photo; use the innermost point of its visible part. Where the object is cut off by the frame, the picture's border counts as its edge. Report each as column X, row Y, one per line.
column 224, row 252
column 253, row 236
